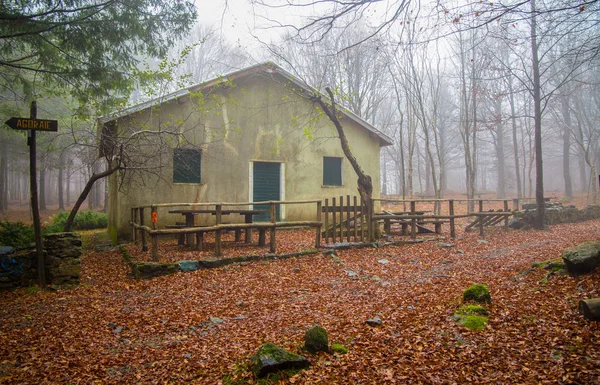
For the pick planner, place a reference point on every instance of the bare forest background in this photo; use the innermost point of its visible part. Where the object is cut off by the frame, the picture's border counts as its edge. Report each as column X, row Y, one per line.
column 461, row 91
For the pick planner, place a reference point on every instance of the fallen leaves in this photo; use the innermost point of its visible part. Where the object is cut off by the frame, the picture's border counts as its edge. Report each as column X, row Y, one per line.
column 165, row 333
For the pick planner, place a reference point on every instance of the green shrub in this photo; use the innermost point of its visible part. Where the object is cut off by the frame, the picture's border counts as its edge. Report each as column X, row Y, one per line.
column 84, row 220
column 16, row 234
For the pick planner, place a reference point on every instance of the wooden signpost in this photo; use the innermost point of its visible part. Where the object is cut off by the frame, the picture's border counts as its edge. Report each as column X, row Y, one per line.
column 32, row 124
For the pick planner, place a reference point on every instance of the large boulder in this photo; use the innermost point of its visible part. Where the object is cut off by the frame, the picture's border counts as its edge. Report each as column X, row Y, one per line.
column 271, row 358
column 582, row 258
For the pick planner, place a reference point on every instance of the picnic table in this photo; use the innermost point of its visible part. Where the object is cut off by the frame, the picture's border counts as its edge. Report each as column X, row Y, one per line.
column 248, row 218
column 387, row 222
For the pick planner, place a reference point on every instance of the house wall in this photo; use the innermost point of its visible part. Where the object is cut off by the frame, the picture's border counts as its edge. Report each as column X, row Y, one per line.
column 256, row 119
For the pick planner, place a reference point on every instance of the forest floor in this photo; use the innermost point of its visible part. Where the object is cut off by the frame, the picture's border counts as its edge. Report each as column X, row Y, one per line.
column 114, row 329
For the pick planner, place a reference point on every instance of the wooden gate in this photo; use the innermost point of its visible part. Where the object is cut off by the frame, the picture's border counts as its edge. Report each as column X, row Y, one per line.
column 346, row 220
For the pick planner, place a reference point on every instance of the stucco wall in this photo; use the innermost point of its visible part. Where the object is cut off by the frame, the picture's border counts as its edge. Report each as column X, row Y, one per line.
column 256, row 119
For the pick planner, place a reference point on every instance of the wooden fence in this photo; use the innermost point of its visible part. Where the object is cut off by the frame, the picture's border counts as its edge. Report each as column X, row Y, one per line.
column 154, row 231
column 344, row 219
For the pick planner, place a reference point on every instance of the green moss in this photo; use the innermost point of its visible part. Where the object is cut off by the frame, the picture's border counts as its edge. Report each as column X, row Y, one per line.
column 478, row 293
column 544, row 281
column 473, row 322
column 31, row 290
column 338, row 348
column 472, row 310
column 316, row 339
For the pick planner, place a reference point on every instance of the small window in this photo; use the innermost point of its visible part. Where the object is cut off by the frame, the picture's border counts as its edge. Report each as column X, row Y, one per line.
column 186, row 165
column 332, row 171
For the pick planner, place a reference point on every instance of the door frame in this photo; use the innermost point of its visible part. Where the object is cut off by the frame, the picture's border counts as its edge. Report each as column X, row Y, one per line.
column 281, row 184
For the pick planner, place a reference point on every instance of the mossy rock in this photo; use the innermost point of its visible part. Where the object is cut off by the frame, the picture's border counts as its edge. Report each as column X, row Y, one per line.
column 582, row 258
column 271, row 358
column 316, row 339
column 556, row 264
column 472, row 310
column 478, row 293
column 473, row 322
column 339, row 348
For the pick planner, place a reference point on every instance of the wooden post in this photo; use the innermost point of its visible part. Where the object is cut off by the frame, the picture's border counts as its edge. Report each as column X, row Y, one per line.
column 326, row 221
column 342, row 218
column 154, row 247
column 333, row 220
column 273, row 213
column 153, row 216
column 506, row 216
column 355, row 219
column 144, row 244
column 413, row 221
column 481, row 229
column 362, row 220
column 451, row 213
column 133, row 225
column 218, row 232
column 189, row 222
column 319, row 215
column 516, row 204
column 348, row 218
column 199, row 240
column 372, row 223
column 590, row 308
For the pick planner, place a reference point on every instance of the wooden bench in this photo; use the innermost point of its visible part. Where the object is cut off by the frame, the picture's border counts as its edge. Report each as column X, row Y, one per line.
column 180, row 237
column 437, row 223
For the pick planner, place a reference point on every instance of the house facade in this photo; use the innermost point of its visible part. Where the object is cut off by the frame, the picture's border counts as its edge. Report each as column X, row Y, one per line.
column 253, row 135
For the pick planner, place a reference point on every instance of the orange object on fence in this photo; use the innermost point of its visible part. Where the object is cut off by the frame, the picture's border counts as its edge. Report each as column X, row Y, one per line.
column 154, row 216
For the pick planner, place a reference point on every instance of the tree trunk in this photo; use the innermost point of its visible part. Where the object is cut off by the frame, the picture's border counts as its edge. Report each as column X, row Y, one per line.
column 501, row 188
column 61, row 187
column 42, row 188
column 513, row 115
column 590, row 308
column 68, row 187
column 566, row 136
column 537, row 105
column 3, row 178
column 84, row 195
column 365, row 184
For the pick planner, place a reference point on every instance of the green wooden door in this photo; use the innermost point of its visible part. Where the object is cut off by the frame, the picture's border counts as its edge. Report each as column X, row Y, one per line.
column 266, row 187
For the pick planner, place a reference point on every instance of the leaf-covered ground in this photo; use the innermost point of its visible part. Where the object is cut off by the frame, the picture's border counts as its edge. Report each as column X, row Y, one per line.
column 113, row 329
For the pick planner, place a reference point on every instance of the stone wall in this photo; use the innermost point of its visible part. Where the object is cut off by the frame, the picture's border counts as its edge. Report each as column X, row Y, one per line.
column 62, row 252
column 556, row 213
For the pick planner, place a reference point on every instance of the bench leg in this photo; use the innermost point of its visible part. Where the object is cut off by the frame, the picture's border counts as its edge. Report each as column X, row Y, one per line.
column 218, row 243
column 199, row 240
column 438, row 228
column 404, row 228
column 387, row 226
column 238, row 235
column 261, row 237
column 181, row 239
column 248, row 235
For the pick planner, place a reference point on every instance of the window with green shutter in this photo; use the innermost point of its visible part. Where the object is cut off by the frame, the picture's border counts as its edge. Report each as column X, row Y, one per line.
column 186, row 165
column 332, row 171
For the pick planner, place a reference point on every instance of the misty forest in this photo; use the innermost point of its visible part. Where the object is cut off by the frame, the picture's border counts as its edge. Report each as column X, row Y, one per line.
column 469, row 258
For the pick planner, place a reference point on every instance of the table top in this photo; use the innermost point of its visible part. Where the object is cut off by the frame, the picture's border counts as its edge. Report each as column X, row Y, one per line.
column 223, row 212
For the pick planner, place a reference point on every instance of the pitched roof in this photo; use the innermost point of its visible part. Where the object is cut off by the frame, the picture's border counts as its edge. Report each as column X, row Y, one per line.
column 268, row 68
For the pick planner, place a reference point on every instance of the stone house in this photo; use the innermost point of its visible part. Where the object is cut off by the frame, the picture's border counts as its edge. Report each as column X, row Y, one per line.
column 250, row 136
